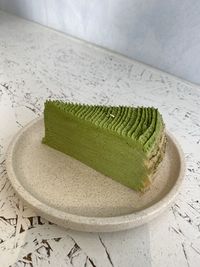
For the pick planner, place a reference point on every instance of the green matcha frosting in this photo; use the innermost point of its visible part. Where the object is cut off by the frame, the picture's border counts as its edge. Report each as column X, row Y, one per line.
column 124, row 143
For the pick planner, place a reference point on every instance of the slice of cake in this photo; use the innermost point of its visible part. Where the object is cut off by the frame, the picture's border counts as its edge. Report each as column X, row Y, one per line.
column 124, row 143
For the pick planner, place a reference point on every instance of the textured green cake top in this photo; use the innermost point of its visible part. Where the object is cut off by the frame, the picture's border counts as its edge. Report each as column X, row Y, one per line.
column 140, row 124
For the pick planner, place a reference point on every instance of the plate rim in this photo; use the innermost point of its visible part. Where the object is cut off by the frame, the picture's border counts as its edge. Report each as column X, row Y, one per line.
column 86, row 223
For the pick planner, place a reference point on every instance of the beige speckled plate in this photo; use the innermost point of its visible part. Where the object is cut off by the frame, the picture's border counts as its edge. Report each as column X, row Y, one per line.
column 67, row 192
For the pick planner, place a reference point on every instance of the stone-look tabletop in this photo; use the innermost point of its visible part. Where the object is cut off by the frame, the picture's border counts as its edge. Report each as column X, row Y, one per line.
column 38, row 63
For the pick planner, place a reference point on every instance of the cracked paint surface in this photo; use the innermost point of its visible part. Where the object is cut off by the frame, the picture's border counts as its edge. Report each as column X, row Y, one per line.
column 37, row 63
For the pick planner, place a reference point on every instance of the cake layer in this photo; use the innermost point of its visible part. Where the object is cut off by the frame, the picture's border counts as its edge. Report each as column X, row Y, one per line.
column 124, row 143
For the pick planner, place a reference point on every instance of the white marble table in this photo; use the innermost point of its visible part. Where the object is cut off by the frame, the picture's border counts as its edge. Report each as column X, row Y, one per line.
column 37, row 63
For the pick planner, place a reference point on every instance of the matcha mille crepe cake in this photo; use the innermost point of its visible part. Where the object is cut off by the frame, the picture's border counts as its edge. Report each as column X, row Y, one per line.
column 124, row 143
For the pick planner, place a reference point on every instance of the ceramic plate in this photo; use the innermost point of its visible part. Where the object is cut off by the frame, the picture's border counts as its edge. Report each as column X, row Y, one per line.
column 70, row 194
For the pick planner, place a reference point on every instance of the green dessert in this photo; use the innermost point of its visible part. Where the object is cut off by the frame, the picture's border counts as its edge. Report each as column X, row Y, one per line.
column 124, row 143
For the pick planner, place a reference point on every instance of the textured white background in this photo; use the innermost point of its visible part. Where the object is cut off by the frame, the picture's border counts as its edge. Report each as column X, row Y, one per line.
column 165, row 34
column 37, row 63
